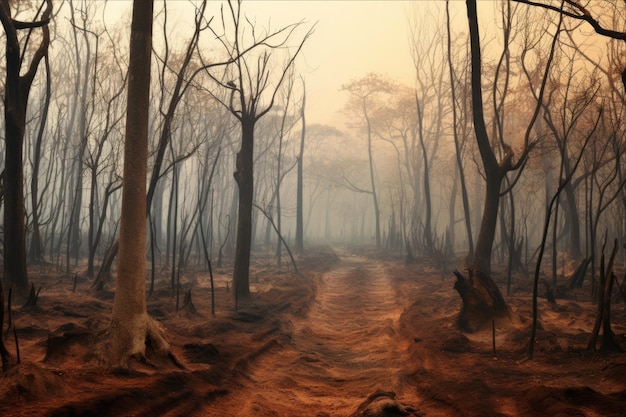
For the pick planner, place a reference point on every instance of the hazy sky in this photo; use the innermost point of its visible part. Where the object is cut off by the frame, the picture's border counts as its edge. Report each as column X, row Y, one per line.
column 351, row 39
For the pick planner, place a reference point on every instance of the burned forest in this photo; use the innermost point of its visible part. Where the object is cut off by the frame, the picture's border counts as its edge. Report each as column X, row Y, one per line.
column 313, row 208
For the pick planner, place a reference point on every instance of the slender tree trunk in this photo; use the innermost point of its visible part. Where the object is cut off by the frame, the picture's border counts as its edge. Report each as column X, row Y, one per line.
column 452, row 210
column 36, row 252
column 457, row 145
column 372, row 177
column 110, row 189
column 300, row 185
column 512, row 244
column 245, row 181
column 428, row 236
column 174, row 225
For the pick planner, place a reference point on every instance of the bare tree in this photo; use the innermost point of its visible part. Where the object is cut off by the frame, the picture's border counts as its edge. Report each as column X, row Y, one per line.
column 482, row 299
column 17, row 89
column 300, row 184
column 363, row 99
column 252, row 95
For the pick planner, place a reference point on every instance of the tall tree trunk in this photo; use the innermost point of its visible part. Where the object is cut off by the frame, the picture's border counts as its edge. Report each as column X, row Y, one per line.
column 574, row 250
column 457, row 145
column 482, row 300
column 244, row 175
column 428, row 234
column 372, row 177
column 131, row 330
column 487, row 232
column 36, row 252
column 17, row 89
column 110, row 189
column 300, row 185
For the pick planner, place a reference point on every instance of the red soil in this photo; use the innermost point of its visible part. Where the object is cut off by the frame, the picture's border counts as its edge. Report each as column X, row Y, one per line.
column 318, row 343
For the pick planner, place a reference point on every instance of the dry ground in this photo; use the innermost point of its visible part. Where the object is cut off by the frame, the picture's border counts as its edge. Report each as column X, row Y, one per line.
column 349, row 325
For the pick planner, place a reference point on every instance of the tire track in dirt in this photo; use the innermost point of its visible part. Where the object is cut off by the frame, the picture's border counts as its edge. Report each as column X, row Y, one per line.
column 345, row 349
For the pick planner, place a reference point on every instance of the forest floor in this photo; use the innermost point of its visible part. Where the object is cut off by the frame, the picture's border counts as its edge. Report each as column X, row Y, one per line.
column 351, row 334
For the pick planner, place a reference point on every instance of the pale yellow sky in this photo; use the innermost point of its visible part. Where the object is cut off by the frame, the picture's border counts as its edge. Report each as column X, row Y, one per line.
column 351, row 39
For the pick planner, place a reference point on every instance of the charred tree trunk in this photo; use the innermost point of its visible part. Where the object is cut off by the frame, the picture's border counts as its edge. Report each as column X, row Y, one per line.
column 299, row 202
column 4, row 353
column 17, row 89
column 603, row 318
column 428, row 234
column 482, row 300
column 93, row 244
column 487, row 232
column 245, row 181
column 36, row 252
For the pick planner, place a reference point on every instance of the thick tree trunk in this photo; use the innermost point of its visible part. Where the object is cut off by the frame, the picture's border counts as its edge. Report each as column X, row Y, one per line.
column 17, row 88
column 14, row 228
column 482, row 300
column 229, row 242
column 487, row 232
column 574, row 250
column 245, row 181
column 4, row 353
column 131, row 330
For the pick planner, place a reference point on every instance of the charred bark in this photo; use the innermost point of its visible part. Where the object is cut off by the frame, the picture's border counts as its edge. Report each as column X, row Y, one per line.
column 603, row 318
column 482, row 300
column 4, row 353
column 245, row 180
column 17, row 89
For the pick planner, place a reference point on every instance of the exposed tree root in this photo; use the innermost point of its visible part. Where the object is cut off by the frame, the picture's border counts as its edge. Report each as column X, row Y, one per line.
column 116, row 347
column 482, row 300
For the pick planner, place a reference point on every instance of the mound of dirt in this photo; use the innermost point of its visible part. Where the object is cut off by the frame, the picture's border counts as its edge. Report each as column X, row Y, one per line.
column 29, row 382
column 382, row 404
column 570, row 402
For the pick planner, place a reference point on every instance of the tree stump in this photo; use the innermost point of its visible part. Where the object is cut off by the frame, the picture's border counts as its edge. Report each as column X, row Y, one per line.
column 482, row 301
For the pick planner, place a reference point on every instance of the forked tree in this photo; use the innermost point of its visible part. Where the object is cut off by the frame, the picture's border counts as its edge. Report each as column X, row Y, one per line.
column 364, row 94
column 17, row 88
column 482, row 300
column 253, row 92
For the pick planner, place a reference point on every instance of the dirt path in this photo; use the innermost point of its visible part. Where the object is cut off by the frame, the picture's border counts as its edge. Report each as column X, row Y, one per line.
column 317, row 344
column 345, row 349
